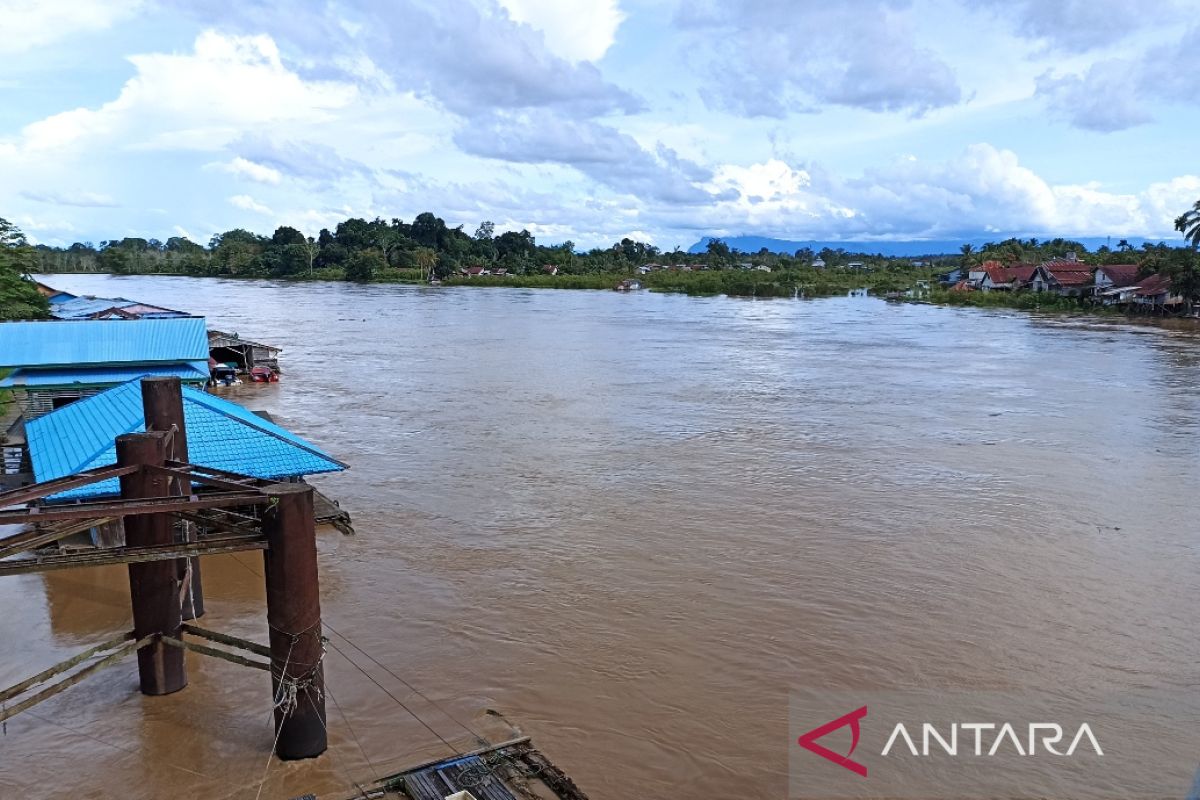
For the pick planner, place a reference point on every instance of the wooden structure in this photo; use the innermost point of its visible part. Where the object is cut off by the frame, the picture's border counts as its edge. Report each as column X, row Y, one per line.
column 245, row 354
column 511, row 770
column 155, row 491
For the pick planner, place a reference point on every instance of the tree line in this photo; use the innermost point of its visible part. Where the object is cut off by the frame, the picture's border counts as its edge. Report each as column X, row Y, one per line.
column 363, row 250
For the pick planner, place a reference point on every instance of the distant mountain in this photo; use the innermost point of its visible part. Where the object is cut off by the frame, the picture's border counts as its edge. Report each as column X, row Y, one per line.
column 927, row 247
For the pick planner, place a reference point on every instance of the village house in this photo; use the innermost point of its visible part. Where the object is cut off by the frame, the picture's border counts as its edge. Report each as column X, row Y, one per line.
column 550, row 269
column 1115, row 276
column 762, row 268
column 856, row 265
column 1067, row 277
column 997, row 277
column 1153, row 293
column 57, row 363
column 818, row 263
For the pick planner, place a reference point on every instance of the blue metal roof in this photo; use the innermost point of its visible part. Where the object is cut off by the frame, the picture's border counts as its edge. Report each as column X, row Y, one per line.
column 126, row 341
column 84, row 307
column 221, row 434
column 68, row 377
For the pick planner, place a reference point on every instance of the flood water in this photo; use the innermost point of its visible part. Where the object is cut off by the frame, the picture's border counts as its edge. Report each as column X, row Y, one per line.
column 634, row 523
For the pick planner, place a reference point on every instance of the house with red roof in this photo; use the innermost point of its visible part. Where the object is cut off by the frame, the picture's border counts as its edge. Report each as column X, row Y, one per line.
column 1154, row 293
column 1064, row 276
column 997, row 277
column 1115, row 276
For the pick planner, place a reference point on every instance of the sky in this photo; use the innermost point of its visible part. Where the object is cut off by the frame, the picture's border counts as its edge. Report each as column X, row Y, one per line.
column 592, row 120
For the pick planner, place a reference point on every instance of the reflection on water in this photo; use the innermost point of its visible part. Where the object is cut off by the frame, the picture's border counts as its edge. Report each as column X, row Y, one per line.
column 632, row 523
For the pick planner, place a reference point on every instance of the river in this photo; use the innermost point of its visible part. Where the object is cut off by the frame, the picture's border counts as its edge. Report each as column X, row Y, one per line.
column 633, row 524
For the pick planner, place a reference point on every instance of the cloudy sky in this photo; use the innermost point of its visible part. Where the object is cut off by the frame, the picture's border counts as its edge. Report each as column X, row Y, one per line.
column 591, row 120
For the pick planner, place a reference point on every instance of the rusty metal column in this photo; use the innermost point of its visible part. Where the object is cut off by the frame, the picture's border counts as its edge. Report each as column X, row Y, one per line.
column 162, row 404
column 153, row 586
column 294, row 617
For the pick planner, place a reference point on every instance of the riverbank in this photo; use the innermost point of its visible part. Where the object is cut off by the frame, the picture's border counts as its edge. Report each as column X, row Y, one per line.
column 712, row 282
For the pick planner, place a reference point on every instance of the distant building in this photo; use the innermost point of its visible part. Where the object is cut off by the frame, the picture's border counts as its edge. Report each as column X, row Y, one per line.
column 762, row 268
column 1154, row 293
column 57, row 363
column 818, row 263
column 244, row 354
column 856, row 265
column 1002, row 278
column 550, row 269
column 1115, row 276
column 1066, row 277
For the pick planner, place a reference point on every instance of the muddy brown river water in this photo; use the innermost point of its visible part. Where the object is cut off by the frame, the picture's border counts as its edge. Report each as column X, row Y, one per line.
column 633, row 524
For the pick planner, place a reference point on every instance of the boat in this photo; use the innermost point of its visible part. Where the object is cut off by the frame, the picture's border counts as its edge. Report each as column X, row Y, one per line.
column 264, row 375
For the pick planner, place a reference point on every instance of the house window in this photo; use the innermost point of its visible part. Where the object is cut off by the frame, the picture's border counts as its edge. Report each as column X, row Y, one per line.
column 58, row 402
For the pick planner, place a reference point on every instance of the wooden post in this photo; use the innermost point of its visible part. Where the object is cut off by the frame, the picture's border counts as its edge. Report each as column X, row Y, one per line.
column 162, row 404
column 294, row 618
column 153, row 586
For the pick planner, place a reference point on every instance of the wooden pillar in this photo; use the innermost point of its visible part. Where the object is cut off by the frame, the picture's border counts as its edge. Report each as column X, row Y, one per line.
column 153, row 586
column 162, row 404
column 294, row 618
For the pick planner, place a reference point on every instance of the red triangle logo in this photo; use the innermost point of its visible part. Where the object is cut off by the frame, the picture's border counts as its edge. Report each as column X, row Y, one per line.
column 809, row 741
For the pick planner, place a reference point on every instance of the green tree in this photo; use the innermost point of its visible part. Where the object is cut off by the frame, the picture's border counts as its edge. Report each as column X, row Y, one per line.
column 362, row 265
column 19, row 296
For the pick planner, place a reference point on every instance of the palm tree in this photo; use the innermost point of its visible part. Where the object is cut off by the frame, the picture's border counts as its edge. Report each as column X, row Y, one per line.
column 968, row 251
column 1188, row 223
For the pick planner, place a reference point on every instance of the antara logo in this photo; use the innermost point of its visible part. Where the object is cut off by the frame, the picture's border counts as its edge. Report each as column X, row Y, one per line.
column 809, row 740
column 1047, row 734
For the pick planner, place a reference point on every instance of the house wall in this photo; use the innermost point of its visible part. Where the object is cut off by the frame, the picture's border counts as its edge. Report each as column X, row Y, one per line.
column 39, row 402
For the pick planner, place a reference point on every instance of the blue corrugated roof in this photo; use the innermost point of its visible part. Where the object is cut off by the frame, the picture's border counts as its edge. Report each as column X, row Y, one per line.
column 84, row 307
column 221, row 434
column 61, row 377
column 126, row 341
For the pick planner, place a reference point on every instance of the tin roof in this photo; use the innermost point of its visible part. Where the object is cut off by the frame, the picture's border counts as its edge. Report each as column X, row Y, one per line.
column 1120, row 274
column 66, row 377
column 96, row 342
column 88, row 307
column 221, row 435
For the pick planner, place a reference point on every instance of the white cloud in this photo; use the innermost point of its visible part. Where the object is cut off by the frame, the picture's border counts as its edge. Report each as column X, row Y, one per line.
column 31, row 24
column 603, row 153
column 575, row 30
column 980, row 189
column 199, row 100
column 78, row 199
column 244, row 168
column 1113, row 94
column 248, row 203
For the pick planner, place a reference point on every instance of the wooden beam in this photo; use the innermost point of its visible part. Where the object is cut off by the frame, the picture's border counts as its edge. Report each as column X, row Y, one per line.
column 11, row 711
column 37, row 491
column 185, row 475
column 28, row 540
column 132, row 507
column 204, row 650
column 226, row 639
column 133, row 555
column 47, row 674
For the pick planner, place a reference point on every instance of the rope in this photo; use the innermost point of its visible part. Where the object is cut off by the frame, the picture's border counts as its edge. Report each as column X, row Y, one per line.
column 412, row 688
column 353, row 734
column 397, row 700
